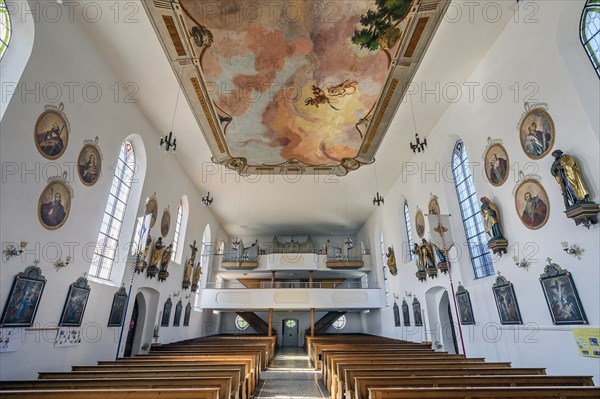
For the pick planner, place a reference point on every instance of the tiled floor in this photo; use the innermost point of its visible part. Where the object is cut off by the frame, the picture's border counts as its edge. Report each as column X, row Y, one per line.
column 290, row 376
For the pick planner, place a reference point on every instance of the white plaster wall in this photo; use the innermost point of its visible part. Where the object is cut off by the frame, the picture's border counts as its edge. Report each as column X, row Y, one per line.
column 546, row 54
column 63, row 54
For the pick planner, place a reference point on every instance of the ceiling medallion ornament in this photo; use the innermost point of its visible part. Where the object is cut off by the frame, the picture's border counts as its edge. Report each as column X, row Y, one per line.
column 314, row 96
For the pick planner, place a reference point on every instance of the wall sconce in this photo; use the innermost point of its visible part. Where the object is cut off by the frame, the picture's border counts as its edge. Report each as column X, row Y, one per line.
column 59, row 264
column 574, row 249
column 523, row 264
column 419, row 146
column 176, row 293
column 11, row 251
column 396, row 297
column 408, row 294
column 207, row 200
column 188, row 296
column 169, row 141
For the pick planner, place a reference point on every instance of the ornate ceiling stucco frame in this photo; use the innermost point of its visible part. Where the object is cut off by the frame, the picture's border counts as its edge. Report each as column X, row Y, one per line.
column 184, row 46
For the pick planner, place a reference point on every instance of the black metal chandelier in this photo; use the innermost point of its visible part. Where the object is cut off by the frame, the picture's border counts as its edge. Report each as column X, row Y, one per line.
column 419, row 146
column 378, row 200
column 169, row 142
column 207, row 200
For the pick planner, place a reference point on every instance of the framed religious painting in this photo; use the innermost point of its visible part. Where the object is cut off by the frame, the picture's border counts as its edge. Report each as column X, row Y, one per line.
column 89, row 163
column 536, row 131
column 152, row 209
column 54, row 203
column 177, row 317
column 496, row 163
column 165, row 223
column 51, row 133
column 74, row 308
column 506, row 302
column 465, row 309
column 405, row 313
column 396, row 309
column 24, row 298
column 434, row 206
column 532, row 204
column 166, row 316
column 187, row 315
column 420, row 223
column 561, row 296
column 416, row 305
column 117, row 309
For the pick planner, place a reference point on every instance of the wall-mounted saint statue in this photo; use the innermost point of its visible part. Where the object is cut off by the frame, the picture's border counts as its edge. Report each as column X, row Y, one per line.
column 421, row 273
column 196, row 277
column 391, row 261
column 491, row 222
column 189, row 268
column 442, row 259
column 163, row 274
column 156, row 258
column 576, row 196
column 428, row 260
column 141, row 264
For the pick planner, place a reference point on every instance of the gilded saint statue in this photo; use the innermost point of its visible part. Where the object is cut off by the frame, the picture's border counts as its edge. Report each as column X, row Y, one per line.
column 189, row 267
column 391, row 261
column 164, row 263
column 491, row 218
column 196, row 277
column 568, row 176
column 427, row 254
column 156, row 258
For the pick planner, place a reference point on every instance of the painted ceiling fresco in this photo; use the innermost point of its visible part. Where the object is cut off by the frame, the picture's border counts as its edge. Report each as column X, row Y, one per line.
column 301, row 86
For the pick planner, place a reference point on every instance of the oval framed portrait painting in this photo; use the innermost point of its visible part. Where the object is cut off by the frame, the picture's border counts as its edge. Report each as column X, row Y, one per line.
column 434, row 206
column 532, row 204
column 537, row 133
column 54, row 205
column 496, row 164
column 420, row 223
column 152, row 209
column 89, row 164
column 51, row 133
column 165, row 223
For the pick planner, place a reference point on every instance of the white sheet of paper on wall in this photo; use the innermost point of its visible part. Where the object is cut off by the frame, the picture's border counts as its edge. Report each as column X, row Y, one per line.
column 68, row 336
column 10, row 339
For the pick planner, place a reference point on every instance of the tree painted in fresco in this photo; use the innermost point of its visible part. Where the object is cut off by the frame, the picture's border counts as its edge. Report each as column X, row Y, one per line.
column 379, row 31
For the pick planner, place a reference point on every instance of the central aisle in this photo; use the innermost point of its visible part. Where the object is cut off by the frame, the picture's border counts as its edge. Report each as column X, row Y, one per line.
column 290, row 375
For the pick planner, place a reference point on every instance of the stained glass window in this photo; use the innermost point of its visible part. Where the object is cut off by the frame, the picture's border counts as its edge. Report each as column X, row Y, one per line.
column 590, row 32
column 471, row 214
column 5, row 28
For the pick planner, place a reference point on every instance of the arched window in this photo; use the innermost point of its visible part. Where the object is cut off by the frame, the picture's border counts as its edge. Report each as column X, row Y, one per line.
column 385, row 273
column 589, row 32
column 5, row 28
column 470, row 211
column 108, row 239
column 411, row 243
column 176, row 248
column 339, row 323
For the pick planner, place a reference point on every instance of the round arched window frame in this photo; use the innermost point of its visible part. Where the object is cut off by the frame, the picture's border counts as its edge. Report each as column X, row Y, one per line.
column 241, row 324
column 5, row 28
column 340, row 323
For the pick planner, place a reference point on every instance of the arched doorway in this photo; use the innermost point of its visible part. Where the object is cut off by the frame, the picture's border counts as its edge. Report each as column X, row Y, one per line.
column 441, row 321
column 133, row 324
column 447, row 325
column 290, row 332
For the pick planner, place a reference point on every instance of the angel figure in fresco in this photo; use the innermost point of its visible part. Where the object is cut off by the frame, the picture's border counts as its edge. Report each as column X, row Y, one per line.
column 491, row 218
column 343, row 89
column 319, row 98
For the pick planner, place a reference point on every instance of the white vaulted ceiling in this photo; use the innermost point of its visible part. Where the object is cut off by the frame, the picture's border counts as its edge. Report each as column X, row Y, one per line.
column 280, row 204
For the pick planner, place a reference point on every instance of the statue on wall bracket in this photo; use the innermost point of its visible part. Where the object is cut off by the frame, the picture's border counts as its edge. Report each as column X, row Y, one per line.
column 156, row 258
column 491, row 222
column 442, row 259
column 163, row 274
column 421, row 274
column 189, row 268
column 391, row 261
column 576, row 196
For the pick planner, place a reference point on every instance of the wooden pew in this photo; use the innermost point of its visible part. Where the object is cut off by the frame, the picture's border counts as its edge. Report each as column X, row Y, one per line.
column 351, row 372
column 337, row 380
column 362, row 384
column 174, row 393
column 486, row 393
column 223, row 384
